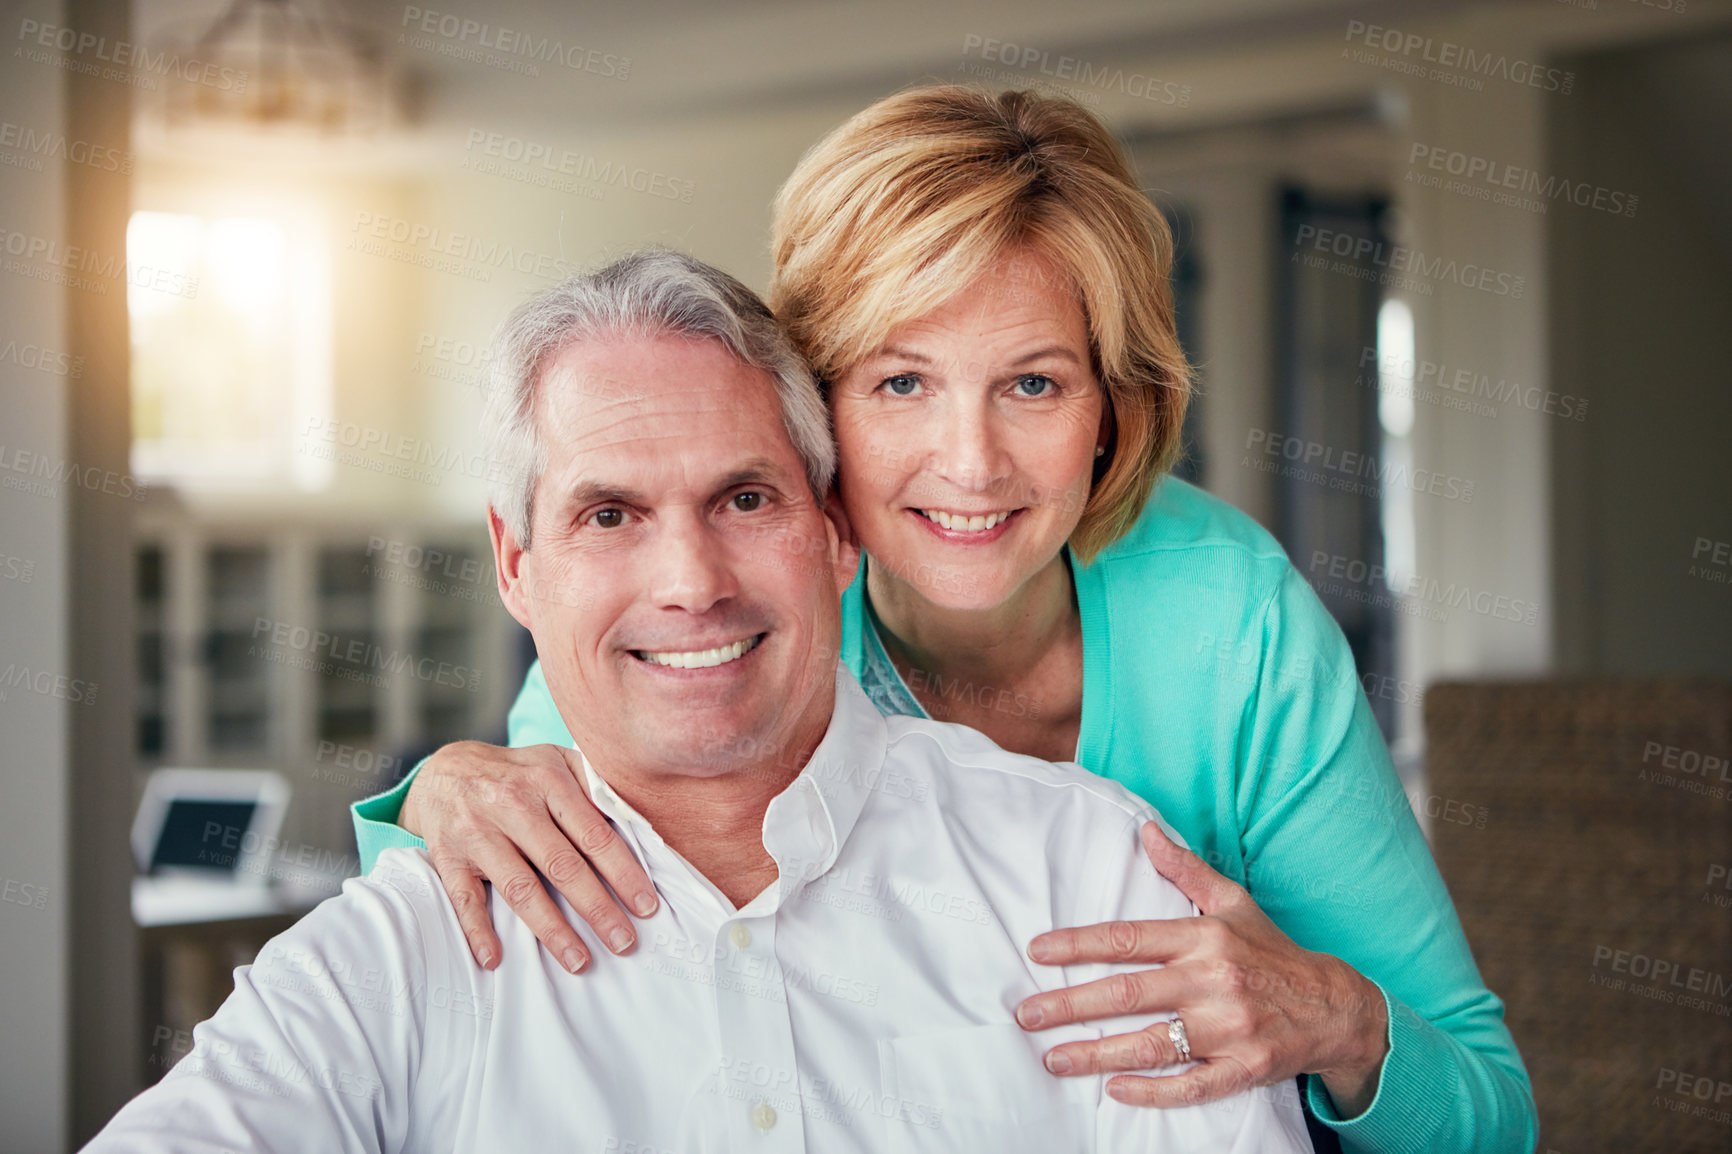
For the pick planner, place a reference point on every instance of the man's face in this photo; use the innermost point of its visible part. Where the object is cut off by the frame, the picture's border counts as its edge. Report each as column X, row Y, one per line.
column 682, row 581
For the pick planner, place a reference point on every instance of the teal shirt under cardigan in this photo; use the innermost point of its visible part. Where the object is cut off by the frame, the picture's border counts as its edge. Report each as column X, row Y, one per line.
column 1217, row 687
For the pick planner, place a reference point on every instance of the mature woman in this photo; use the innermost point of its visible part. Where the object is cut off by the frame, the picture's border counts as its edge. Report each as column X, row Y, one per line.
column 982, row 288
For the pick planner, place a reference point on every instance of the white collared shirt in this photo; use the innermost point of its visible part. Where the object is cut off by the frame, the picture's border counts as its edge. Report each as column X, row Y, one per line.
column 862, row 1002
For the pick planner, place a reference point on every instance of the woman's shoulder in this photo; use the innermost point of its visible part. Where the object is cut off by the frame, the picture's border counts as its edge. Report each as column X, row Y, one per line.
column 1184, row 531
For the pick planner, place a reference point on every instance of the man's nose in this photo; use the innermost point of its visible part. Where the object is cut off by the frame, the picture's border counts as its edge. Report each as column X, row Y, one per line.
column 690, row 567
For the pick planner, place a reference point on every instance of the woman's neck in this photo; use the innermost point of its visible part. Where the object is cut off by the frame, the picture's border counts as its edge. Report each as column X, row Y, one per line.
column 1000, row 646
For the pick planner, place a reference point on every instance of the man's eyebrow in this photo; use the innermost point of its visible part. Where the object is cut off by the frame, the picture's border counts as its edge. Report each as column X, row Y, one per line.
column 595, row 492
column 757, row 471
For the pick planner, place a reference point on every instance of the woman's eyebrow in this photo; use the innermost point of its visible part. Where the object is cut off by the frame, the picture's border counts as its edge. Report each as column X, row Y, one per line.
column 1046, row 352
column 898, row 353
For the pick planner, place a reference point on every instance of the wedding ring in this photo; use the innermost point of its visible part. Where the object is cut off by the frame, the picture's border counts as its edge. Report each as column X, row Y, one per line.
column 1176, row 1032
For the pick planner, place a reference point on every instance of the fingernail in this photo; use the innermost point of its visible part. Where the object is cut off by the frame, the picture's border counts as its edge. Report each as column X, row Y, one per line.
column 573, row 959
column 486, row 958
column 620, row 940
column 1117, row 1092
column 1058, row 1062
column 1039, row 950
column 644, row 904
column 1029, row 1015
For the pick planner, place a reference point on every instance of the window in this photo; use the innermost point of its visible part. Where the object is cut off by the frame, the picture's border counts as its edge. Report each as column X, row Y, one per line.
column 231, row 348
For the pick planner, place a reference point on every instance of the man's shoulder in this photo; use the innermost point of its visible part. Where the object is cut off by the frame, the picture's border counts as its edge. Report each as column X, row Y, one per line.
column 978, row 777
column 401, row 898
column 406, row 871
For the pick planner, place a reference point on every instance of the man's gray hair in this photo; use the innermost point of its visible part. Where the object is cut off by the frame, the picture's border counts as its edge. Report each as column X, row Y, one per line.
column 653, row 292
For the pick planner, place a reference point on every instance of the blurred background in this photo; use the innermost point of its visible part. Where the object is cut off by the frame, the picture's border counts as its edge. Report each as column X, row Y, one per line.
column 1457, row 278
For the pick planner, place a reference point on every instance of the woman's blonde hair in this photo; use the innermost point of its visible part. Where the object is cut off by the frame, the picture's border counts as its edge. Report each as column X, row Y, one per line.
column 894, row 212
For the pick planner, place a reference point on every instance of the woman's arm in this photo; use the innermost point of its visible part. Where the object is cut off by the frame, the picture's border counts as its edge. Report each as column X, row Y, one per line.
column 1360, row 938
column 476, row 804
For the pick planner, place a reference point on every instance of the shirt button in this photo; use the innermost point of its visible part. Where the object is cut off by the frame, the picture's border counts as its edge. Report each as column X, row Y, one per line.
column 742, row 937
column 763, row 1116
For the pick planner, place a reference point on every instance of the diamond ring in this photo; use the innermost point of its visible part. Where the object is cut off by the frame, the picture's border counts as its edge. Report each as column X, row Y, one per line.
column 1176, row 1032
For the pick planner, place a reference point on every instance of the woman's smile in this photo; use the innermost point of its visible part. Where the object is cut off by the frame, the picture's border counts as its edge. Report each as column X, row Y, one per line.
column 967, row 528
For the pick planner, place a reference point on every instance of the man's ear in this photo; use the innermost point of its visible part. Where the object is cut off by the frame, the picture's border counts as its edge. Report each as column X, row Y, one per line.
column 508, row 559
column 845, row 547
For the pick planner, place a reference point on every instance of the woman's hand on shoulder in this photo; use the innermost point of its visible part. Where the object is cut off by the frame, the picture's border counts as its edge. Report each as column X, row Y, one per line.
column 489, row 813
column 1257, row 1009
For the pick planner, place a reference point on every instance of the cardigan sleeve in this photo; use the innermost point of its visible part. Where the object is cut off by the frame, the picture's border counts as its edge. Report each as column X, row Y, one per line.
column 533, row 721
column 1334, row 856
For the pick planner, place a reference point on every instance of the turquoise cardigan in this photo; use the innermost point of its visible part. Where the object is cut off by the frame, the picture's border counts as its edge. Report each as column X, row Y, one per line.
column 1217, row 687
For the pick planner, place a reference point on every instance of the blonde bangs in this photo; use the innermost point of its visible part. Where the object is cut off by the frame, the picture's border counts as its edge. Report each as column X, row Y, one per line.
column 914, row 198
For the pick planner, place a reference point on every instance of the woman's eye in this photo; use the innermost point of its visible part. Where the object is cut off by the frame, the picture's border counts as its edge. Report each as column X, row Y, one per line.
column 747, row 502
column 1035, row 385
column 610, row 518
column 902, row 384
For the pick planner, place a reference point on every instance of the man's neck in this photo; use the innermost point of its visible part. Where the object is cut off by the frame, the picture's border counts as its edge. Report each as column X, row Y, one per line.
column 717, row 822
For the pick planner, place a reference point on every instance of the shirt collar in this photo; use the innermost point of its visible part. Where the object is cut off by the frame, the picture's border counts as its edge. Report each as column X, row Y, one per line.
column 807, row 824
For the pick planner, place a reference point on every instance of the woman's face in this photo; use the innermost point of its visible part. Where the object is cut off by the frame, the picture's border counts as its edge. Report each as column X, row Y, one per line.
column 967, row 441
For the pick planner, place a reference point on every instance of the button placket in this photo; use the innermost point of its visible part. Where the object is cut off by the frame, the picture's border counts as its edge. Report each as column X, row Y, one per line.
column 763, row 1081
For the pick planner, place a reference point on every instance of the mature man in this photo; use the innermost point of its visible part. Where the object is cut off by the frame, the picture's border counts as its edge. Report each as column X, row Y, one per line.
column 838, row 950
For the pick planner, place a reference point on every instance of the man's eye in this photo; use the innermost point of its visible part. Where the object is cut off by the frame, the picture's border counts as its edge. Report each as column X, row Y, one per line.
column 902, row 384
column 610, row 518
column 747, row 502
column 1036, row 385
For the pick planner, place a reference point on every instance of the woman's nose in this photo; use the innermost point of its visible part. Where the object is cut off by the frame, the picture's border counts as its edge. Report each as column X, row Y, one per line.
column 968, row 450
